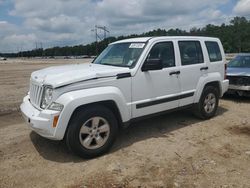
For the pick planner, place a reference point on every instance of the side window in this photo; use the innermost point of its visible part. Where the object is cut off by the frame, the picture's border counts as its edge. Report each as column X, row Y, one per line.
column 213, row 50
column 191, row 52
column 165, row 52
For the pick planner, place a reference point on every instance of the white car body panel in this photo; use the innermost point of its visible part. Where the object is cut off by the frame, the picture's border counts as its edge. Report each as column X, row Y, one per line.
column 67, row 74
column 39, row 121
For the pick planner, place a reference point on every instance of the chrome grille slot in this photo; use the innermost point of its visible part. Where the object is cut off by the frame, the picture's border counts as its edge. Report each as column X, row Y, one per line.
column 39, row 94
column 36, row 92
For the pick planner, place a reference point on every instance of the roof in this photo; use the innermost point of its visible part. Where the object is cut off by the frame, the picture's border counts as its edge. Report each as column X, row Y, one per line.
column 145, row 39
column 141, row 39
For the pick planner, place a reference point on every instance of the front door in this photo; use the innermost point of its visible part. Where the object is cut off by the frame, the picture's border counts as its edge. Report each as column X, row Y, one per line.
column 157, row 90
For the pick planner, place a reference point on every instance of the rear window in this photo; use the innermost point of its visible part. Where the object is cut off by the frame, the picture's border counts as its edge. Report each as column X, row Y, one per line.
column 191, row 52
column 213, row 50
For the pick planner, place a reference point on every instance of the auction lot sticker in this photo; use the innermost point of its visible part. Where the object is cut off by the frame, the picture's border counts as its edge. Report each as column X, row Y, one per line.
column 137, row 45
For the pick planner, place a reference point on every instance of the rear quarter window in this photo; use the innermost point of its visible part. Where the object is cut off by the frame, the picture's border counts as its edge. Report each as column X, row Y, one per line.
column 213, row 50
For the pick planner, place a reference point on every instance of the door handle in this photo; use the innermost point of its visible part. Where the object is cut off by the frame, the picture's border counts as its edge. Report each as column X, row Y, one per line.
column 174, row 72
column 204, row 68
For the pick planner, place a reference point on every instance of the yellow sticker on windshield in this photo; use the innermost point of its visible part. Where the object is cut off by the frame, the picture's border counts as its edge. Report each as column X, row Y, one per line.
column 136, row 45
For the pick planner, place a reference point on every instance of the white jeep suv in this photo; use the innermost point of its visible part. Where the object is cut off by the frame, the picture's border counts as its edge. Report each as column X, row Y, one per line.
column 85, row 104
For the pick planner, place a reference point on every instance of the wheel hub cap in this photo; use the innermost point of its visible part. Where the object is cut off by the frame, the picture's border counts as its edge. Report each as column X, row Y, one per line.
column 209, row 103
column 94, row 133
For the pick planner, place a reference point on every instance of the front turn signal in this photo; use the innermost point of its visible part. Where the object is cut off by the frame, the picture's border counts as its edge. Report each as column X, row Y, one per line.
column 55, row 120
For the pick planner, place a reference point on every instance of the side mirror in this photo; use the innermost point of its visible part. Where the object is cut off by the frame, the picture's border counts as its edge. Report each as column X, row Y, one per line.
column 152, row 64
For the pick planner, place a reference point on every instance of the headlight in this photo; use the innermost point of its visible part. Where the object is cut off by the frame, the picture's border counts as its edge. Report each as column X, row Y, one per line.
column 55, row 106
column 47, row 97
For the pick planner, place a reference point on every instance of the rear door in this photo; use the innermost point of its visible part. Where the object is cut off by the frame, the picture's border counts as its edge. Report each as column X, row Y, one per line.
column 193, row 66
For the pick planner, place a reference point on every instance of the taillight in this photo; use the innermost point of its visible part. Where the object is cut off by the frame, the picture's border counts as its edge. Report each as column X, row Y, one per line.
column 225, row 71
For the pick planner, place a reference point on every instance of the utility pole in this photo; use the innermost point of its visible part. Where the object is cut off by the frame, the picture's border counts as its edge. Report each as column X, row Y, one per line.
column 41, row 48
column 21, row 50
column 96, row 39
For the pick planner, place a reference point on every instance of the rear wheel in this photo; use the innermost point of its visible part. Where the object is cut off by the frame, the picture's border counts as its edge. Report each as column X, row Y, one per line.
column 208, row 103
column 92, row 131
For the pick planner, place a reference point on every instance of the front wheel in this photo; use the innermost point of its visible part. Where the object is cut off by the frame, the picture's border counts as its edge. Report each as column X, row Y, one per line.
column 208, row 103
column 92, row 131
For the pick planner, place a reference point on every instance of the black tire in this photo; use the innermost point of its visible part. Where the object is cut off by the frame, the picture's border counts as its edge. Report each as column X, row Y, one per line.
column 200, row 109
column 79, row 119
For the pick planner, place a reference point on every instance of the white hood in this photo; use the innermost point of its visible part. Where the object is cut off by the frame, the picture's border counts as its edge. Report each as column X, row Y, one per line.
column 62, row 75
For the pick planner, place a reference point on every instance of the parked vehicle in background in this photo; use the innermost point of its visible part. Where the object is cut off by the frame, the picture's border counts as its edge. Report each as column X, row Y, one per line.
column 85, row 104
column 3, row 58
column 238, row 73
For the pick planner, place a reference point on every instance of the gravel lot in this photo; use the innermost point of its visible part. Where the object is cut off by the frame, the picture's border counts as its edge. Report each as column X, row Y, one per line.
column 174, row 150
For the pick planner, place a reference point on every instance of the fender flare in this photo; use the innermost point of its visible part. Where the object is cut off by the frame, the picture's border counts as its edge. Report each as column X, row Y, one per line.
column 212, row 77
column 74, row 99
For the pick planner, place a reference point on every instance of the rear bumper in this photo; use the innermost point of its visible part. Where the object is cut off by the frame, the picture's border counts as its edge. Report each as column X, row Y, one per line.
column 224, row 87
column 40, row 121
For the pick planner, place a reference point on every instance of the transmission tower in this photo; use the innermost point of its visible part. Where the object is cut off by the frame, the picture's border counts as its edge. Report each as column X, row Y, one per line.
column 99, row 29
column 104, row 29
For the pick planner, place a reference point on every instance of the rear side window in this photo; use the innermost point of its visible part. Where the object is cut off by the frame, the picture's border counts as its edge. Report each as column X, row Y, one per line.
column 165, row 52
column 191, row 52
column 213, row 50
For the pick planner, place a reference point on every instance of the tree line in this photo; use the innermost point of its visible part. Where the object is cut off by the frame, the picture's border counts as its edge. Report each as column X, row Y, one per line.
column 234, row 36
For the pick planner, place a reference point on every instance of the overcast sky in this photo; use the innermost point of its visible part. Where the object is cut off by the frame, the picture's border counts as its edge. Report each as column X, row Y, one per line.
column 25, row 24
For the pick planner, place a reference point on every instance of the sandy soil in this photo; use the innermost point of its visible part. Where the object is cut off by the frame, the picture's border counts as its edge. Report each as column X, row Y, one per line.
column 174, row 150
column 15, row 75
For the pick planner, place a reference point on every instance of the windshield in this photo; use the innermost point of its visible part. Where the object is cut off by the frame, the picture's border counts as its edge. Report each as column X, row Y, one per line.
column 120, row 54
column 240, row 61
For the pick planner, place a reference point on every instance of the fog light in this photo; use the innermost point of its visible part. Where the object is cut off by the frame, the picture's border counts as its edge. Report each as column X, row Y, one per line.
column 55, row 121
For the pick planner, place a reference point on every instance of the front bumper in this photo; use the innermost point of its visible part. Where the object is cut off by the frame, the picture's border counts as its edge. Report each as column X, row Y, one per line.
column 239, row 87
column 40, row 121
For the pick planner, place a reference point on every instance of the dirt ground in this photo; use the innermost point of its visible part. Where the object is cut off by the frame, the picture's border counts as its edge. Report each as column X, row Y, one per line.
column 174, row 150
column 15, row 75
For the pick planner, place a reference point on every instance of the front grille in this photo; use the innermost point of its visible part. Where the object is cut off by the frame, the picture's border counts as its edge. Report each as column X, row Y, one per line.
column 36, row 92
column 239, row 80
